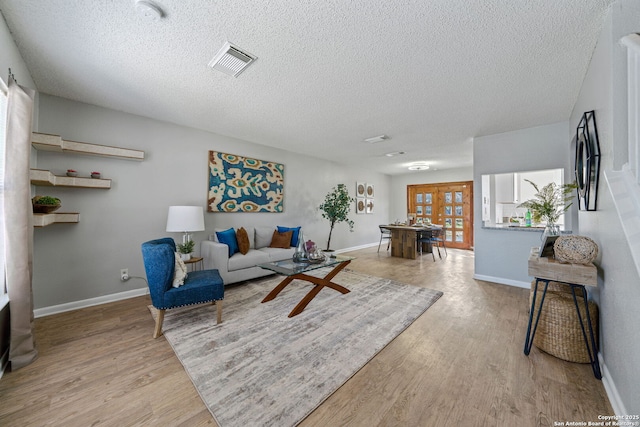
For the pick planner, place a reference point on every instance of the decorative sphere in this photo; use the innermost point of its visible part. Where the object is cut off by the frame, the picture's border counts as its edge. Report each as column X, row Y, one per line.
column 575, row 249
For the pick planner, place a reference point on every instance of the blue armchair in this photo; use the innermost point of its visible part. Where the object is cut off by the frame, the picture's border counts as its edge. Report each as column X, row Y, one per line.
column 199, row 286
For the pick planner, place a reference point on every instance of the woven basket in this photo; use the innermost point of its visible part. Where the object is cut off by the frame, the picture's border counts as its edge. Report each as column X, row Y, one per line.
column 559, row 332
column 575, row 249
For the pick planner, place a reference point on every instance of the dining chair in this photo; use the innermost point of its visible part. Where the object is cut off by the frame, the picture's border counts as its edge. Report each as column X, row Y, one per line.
column 435, row 238
column 439, row 240
column 385, row 233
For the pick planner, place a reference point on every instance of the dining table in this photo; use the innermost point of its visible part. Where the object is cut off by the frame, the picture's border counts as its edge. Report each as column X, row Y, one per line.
column 404, row 239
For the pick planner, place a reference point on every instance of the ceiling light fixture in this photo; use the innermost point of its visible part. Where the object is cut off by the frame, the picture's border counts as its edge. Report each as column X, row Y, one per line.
column 149, row 10
column 231, row 60
column 394, row 153
column 375, row 139
column 421, row 166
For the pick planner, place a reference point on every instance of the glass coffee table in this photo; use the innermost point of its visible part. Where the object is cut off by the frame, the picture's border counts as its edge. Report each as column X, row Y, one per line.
column 298, row 270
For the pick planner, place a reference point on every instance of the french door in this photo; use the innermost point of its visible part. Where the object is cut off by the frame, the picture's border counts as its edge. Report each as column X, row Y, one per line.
column 449, row 204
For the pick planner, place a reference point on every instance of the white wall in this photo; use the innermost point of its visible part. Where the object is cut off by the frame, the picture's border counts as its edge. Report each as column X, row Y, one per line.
column 11, row 58
column 618, row 293
column 75, row 262
column 398, row 202
column 501, row 255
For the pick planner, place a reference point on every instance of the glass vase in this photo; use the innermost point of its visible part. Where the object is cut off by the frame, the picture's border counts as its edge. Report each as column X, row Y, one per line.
column 300, row 254
column 551, row 230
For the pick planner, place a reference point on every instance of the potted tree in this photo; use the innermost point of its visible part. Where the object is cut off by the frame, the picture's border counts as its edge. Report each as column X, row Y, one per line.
column 336, row 208
column 185, row 249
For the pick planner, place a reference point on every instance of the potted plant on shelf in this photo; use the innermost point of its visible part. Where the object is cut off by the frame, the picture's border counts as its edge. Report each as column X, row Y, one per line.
column 45, row 204
column 549, row 203
column 336, row 208
column 185, row 249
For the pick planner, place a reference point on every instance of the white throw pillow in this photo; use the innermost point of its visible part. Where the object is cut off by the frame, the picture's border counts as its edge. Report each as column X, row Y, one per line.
column 180, row 272
column 263, row 236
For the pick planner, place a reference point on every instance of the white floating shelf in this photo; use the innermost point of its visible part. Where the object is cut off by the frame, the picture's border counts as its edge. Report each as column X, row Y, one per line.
column 47, row 142
column 46, row 178
column 42, row 220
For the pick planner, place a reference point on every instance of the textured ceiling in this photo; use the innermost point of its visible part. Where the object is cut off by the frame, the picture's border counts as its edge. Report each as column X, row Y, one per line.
column 430, row 74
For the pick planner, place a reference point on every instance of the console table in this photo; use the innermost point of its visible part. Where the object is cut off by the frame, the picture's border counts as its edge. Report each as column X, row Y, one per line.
column 576, row 276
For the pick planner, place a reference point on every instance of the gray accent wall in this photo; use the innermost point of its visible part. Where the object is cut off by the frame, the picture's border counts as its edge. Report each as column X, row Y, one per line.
column 75, row 262
column 501, row 255
column 618, row 293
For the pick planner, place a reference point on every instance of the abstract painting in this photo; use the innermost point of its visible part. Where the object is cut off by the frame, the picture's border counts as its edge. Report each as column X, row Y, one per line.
column 242, row 184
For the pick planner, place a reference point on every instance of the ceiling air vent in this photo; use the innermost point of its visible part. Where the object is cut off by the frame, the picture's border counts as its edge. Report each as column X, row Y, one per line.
column 375, row 139
column 231, row 60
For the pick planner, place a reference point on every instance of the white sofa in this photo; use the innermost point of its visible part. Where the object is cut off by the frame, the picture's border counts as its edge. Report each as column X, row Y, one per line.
column 240, row 267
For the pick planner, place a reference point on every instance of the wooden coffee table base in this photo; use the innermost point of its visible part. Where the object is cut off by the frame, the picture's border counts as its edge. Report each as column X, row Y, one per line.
column 319, row 282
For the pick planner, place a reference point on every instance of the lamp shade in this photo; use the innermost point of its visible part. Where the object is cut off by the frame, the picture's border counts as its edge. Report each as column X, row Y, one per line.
column 185, row 218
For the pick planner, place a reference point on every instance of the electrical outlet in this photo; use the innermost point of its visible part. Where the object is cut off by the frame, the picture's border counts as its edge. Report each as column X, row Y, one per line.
column 124, row 274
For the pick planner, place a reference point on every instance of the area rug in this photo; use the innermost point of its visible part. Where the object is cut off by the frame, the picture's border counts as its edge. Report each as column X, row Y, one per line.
column 260, row 367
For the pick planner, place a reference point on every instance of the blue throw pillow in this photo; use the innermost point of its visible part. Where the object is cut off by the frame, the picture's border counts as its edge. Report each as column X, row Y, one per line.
column 294, row 235
column 228, row 237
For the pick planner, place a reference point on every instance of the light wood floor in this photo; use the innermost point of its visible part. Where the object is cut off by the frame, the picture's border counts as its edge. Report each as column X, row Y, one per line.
column 460, row 364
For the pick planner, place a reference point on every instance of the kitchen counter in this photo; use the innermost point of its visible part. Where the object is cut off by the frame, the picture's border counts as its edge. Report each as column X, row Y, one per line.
column 507, row 227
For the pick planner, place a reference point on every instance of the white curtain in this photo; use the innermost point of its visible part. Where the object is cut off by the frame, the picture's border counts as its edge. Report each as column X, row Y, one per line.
column 19, row 225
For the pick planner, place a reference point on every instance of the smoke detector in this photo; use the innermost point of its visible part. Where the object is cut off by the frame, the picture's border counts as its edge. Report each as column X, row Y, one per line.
column 394, row 153
column 375, row 139
column 231, row 60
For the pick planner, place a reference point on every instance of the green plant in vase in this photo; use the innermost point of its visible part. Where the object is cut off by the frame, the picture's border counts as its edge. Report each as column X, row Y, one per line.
column 185, row 249
column 549, row 203
column 336, row 207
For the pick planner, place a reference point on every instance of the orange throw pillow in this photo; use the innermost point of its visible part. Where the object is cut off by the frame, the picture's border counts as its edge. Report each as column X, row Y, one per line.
column 243, row 240
column 281, row 240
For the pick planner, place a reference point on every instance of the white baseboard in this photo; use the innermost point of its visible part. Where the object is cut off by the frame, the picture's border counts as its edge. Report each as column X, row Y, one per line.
column 503, row 281
column 355, row 248
column 74, row 305
column 61, row 308
column 610, row 388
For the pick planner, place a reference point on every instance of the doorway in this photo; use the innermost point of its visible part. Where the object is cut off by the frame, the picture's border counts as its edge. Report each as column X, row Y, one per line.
column 449, row 204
